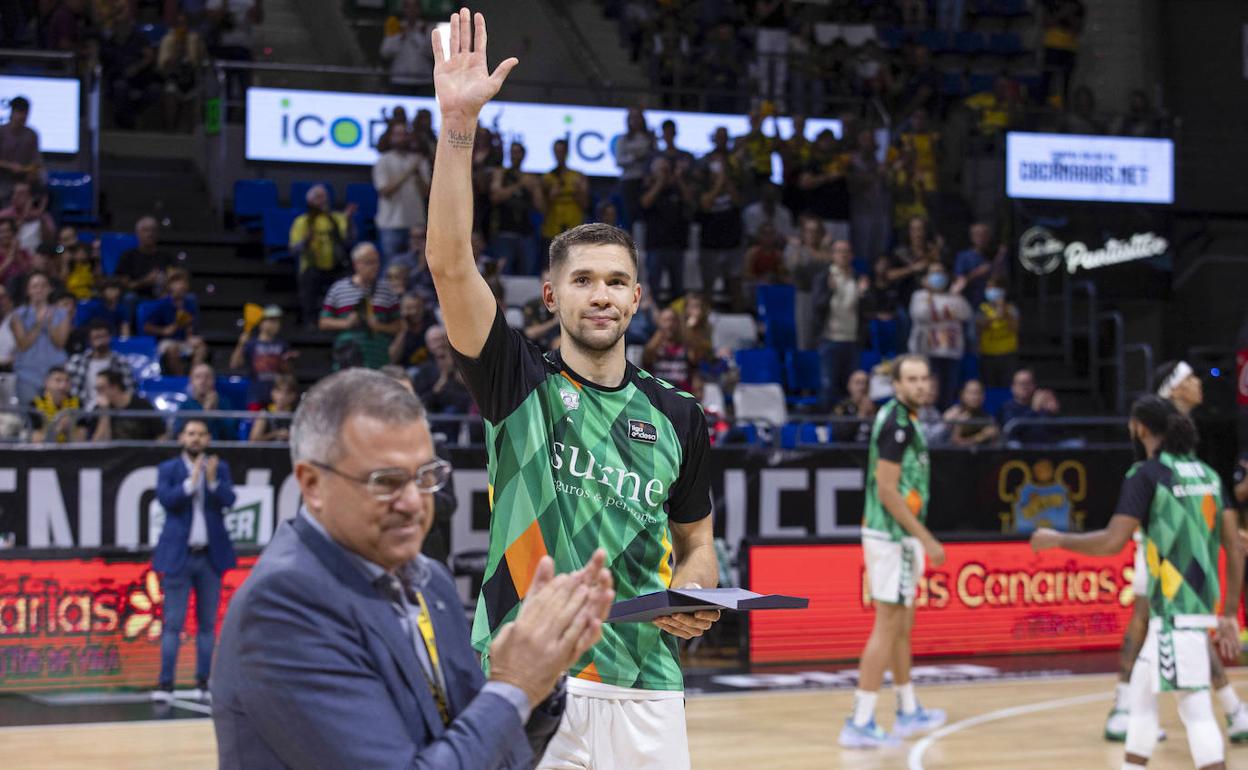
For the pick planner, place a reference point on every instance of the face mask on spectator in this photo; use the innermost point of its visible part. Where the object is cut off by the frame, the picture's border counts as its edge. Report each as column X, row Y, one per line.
column 994, row 294
column 938, row 281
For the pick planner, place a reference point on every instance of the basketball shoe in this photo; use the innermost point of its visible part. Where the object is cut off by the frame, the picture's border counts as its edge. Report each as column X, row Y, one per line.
column 919, row 721
column 870, row 736
column 1237, row 725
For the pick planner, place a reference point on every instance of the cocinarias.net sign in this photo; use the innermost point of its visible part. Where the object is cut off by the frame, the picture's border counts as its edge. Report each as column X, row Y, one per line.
column 1073, row 167
column 297, row 126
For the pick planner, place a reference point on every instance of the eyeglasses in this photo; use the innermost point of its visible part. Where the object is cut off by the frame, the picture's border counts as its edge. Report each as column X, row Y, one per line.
column 387, row 484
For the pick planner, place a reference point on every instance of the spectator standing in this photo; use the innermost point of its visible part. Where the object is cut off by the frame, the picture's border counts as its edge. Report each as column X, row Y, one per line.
column 406, row 46
column 8, row 343
column 912, row 259
column 402, row 180
column 974, row 266
column 667, row 202
column 194, row 550
column 35, row 226
column 83, row 367
column 764, row 261
column 264, row 355
column 142, row 269
column 231, row 26
column 515, row 198
column 178, row 60
column 880, row 308
column 835, row 294
column 978, row 427
column 541, row 325
column 1063, row 23
column 320, row 239
column 824, row 188
column 632, row 154
column 938, row 317
column 566, row 193
column 722, row 67
column 771, row 44
column 871, row 210
column 174, row 321
column 20, row 160
column 753, row 153
column 857, row 403
column 666, row 356
column 1022, row 391
column 768, row 209
column 670, row 150
column 53, row 415
column 128, row 62
column 807, row 253
column 41, row 331
column 408, row 347
column 14, row 260
column 719, row 254
column 996, row 324
column 283, row 398
column 112, row 394
column 203, row 396
column 362, row 309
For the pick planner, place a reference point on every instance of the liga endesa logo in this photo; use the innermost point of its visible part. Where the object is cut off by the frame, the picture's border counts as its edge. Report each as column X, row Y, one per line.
column 977, row 585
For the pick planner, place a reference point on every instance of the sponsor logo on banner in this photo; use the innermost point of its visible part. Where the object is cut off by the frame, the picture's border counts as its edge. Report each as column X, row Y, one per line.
column 1041, row 252
column 53, row 109
column 288, row 125
column 1040, row 495
column 1073, row 167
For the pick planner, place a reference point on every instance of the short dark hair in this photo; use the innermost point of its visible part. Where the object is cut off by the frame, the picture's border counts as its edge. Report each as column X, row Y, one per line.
column 669, row 123
column 19, row 103
column 1176, row 430
column 114, row 378
column 58, row 369
column 906, row 357
column 97, row 324
column 592, row 234
column 186, row 421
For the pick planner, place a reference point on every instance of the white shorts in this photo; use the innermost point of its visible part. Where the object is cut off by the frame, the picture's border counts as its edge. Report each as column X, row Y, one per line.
column 1177, row 659
column 1139, row 582
column 603, row 732
column 893, row 569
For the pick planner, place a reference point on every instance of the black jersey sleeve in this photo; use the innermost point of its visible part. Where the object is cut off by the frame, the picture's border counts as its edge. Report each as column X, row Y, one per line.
column 1138, row 489
column 508, row 369
column 895, row 435
column 690, row 499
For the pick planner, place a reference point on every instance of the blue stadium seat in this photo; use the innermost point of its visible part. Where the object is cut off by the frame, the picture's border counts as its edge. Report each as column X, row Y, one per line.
column 363, row 195
column 277, row 222
column 883, row 337
column 994, row 398
column 759, row 365
column 776, row 303
column 86, row 236
column 968, row 42
column 935, row 40
column 299, row 192
column 252, row 197
column 1005, row 44
column 142, row 313
column 868, row 359
column 892, row 37
column 140, row 352
column 154, row 33
column 794, row 434
column 970, row 367
column 805, row 377
column 981, row 82
column 72, row 194
column 112, row 246
column 235, row 389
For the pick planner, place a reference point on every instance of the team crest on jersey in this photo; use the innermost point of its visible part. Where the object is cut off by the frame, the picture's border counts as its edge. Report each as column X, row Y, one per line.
column 639, row 430
column 571, row 399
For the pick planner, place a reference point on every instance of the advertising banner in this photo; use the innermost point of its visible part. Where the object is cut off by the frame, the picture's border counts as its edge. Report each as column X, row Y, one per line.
column 989, row 598
column 102, row 497
column 1103, row 169
column 54, row 109
column 70, row 623
column 297, row 126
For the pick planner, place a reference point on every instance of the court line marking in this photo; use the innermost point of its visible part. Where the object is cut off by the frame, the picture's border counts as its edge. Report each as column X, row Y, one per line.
column 824, row 690
column 914, row 761
column 198, row 708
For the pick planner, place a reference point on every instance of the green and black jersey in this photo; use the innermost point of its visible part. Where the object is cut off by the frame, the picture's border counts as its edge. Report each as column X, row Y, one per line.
column 1178, row 500
column 895, row 437
column 573, row 467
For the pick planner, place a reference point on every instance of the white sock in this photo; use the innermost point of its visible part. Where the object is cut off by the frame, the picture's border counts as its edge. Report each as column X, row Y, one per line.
column 1228, row 699
column 1120, row 695
column 864, row 707
column 906, row 700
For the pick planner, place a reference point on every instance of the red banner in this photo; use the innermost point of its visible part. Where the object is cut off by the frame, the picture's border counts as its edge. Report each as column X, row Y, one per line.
column 988, row 598
column 1241, row 374
column 90, row 622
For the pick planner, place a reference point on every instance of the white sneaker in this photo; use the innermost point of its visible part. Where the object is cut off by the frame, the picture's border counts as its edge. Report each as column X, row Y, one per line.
column 920, row 721
column 1116, row 725
column 868, row 737
column 1237, row 725
column 162, row 696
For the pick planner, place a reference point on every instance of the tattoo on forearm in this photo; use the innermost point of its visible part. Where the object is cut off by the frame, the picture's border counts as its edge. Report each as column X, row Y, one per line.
column 461, row 139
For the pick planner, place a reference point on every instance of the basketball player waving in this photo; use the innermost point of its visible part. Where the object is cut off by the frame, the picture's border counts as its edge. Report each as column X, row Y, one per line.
column 1177, row 501
column 894, row 544
column 585, row 450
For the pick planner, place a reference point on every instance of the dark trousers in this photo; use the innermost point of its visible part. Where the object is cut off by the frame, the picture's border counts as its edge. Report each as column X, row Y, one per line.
column 837, row 360
column 200, row 576
column 670, row 260
column 945, row 372
column 313, row 284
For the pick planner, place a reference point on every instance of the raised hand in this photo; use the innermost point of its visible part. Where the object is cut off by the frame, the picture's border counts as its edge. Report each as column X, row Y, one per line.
column 463, row 82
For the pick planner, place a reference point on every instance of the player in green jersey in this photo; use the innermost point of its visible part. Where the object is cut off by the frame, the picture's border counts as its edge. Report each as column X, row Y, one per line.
column 894, row 544
column 1177, row 501
column 585, row 450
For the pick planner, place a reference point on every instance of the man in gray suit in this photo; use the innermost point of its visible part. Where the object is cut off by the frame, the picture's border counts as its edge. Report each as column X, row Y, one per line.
column 346, row 648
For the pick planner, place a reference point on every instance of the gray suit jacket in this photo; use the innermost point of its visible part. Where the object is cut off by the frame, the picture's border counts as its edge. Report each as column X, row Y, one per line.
column 313, row 670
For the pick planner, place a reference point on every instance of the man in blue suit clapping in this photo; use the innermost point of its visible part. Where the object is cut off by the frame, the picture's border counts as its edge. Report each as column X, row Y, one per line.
column 194, row 549
column 346, row 648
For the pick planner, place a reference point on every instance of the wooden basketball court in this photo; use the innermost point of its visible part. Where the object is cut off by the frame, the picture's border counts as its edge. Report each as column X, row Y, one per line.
column 1023, row 724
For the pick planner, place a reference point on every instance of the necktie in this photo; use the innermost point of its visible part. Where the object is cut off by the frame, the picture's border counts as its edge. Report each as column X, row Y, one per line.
column 395, row 590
